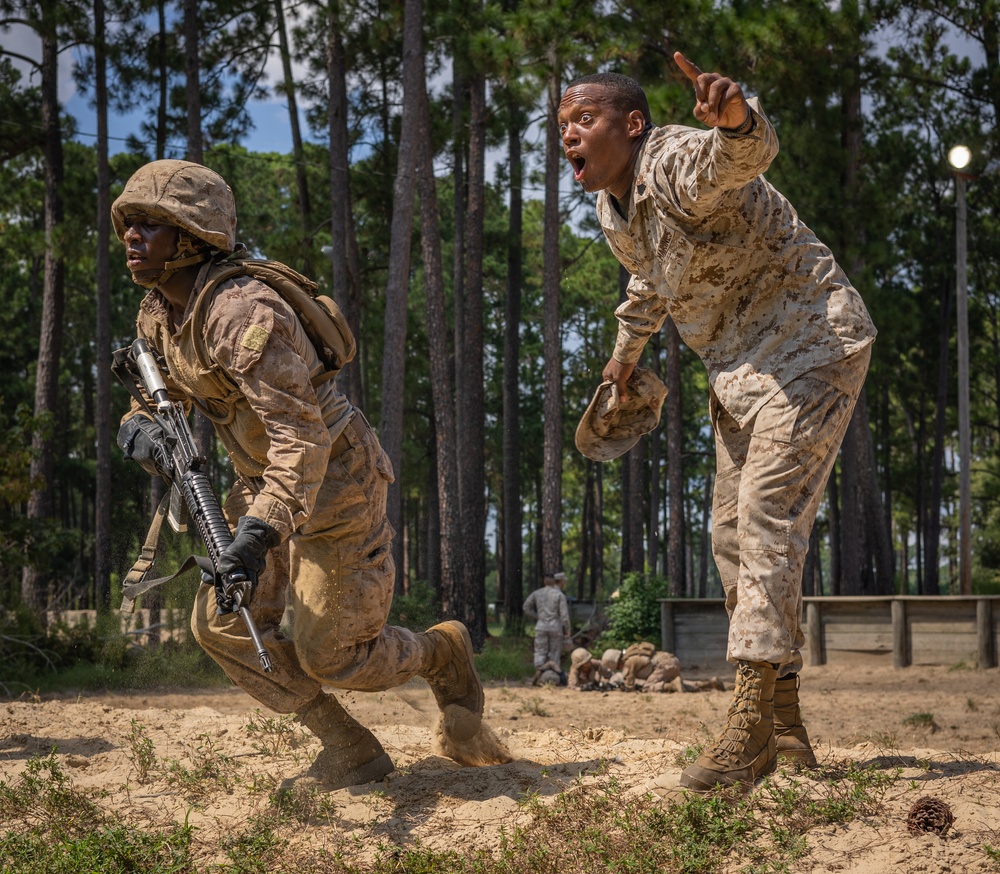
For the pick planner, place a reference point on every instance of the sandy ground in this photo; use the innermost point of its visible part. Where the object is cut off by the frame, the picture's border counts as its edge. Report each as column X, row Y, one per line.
column 940, row 726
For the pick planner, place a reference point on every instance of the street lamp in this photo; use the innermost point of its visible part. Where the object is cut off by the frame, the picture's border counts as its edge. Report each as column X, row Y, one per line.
column 959, row 158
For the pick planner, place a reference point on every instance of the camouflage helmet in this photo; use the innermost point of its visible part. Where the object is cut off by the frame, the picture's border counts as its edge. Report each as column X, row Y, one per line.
column 186, row 195
column 611, row 659
column 610, row 428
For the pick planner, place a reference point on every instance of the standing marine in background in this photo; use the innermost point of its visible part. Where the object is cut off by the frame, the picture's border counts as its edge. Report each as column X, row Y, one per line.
column 308, row 504
column 547, row 605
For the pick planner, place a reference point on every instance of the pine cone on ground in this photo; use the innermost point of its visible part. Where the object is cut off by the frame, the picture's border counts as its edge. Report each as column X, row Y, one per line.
column 929, row 816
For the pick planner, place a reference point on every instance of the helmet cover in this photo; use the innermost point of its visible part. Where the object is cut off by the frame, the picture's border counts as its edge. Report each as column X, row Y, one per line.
column 186, row 195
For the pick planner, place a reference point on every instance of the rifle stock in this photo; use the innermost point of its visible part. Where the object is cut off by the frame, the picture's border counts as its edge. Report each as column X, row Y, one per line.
column 188, row 478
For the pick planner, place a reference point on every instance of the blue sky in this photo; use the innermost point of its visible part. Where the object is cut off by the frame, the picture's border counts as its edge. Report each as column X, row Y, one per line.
column 271, row 129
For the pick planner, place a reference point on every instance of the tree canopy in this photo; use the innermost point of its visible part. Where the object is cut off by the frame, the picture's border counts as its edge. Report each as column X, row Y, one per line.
column 866, row 97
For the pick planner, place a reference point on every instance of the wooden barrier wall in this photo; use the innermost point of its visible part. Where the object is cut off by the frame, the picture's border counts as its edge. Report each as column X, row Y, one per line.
column 906, row 630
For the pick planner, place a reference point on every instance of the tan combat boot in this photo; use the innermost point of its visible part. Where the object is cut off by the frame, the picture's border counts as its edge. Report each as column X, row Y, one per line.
column 450, row 671
column 449, row 667
column 789, row 732
column 746, row 748
column 351, row 754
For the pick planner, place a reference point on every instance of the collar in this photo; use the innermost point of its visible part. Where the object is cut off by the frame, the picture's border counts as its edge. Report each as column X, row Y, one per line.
column 640, row 189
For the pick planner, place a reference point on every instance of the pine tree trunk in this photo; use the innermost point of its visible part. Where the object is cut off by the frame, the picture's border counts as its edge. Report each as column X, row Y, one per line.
column 470, row 394
column 346, row 279
column 398, row 282
column 102, row 334
column 301, row 185
column 513, row 515
column 858, row 441
column 552, row 510
column 597, row 564
column 633, row 475
column 41, row 502
column 676, row 525
column 437, row 331
column 162, row 80
column 833, row 502
column 655, row 443
column 201, row 426
column 932, row 536
column 633, row 478
column 192, row 67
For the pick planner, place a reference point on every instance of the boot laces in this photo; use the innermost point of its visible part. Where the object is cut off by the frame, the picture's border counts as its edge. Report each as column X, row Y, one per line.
column 743, row 714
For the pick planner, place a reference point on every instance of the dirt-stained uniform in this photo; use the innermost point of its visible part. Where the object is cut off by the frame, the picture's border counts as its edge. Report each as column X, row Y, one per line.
column 783, row 334
column 664, row 673
column 308, row 464
column 547, row 606
column 585, row 672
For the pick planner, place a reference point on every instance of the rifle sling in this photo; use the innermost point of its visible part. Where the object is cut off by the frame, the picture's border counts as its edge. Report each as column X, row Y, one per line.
column 136, row 582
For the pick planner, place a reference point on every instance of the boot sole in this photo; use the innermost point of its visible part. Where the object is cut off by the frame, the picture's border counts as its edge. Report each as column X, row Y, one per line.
column 806, row 758
column 713, row 779
column 370, row 772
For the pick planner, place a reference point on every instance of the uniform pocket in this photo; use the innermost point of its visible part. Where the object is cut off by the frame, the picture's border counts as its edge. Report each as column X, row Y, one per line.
column 673, row 254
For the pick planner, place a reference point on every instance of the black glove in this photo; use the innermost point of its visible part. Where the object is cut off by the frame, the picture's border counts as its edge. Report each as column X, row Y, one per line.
column 143, row 440
column 243, row 559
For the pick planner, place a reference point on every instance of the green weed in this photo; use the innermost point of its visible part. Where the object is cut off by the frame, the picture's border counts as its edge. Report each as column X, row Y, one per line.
column 140, row 751
column 113, row 849
column 504, row 659
column 921, row 720
column 50, row 827
column 533, row 707
column 273, row 735
column 256, row 850
column 210, row 771
column 993, row 854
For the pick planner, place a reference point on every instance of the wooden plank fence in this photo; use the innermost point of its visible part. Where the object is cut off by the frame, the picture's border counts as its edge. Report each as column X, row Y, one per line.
column 906, row 629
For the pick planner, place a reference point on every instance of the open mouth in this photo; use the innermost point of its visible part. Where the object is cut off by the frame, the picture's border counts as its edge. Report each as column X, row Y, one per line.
column 578, row 162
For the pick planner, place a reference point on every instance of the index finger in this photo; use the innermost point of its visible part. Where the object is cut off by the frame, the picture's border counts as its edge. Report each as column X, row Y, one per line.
column 689, row 69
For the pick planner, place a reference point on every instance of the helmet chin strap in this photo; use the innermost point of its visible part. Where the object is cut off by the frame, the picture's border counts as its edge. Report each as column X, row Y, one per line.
column 190, row 250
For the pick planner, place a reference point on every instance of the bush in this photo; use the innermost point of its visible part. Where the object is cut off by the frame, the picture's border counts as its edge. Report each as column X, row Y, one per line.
column 94, row 656
column 635, row 614
column 27, row 647
column 505, row 659
column 417, row 609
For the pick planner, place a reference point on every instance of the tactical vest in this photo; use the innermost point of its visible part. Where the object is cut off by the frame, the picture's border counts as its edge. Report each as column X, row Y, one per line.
column 193, row 368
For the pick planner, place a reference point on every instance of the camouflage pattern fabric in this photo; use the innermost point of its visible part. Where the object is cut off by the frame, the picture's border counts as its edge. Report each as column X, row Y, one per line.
column 770, row 477
column 547, row 606
column 334, row 571
column 785, row 339
column 274, row 424
column 664, row 669
column 548, row 647
column 181, row 193
column 711, row 243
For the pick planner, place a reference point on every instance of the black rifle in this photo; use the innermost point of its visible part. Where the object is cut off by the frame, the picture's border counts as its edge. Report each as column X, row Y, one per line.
column 136, row 367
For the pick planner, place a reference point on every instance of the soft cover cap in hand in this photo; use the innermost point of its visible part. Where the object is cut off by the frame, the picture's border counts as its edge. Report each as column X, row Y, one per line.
column 253, row 538
column 610, row 428
column 142, row 440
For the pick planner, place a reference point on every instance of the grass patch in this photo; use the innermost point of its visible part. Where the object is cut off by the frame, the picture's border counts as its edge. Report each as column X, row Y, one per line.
column 921, row 720
column 51, row 827
column 170, row 664
column 505, row 659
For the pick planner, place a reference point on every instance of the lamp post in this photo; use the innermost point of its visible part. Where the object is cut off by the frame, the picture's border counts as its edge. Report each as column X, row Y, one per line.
column 959, row 158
